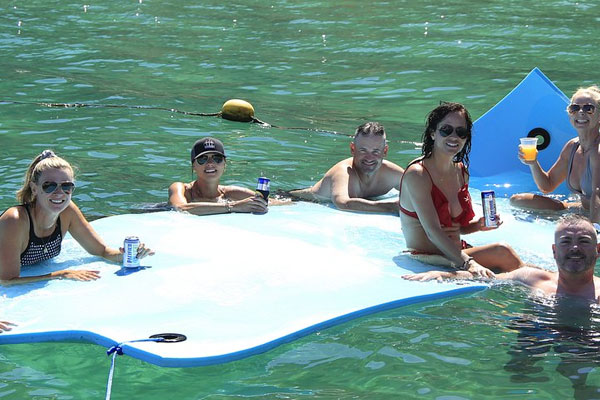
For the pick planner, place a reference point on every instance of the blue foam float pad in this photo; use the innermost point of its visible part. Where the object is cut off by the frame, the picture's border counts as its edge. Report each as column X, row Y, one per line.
column 534, row 103
column 234, row 285
column 238, row 285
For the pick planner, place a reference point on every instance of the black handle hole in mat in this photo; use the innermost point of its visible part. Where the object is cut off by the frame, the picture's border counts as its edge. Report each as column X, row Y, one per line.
column 543, row 137
column 169, row 337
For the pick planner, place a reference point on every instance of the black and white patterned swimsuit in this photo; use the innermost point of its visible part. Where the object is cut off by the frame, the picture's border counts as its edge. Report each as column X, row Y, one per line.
column 41, row 249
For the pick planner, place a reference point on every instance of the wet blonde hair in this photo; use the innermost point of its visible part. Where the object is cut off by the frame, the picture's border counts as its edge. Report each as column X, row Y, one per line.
column 593, row 91
column 44, row 161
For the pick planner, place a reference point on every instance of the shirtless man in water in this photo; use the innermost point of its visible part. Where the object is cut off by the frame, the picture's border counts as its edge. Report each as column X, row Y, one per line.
column 575, row 251
column 350, row 183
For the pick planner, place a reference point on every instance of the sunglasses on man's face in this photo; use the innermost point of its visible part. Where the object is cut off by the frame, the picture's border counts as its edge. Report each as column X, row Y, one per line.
column 446, row 130
column 586, row 108
column 50, row 187
column 215, row 158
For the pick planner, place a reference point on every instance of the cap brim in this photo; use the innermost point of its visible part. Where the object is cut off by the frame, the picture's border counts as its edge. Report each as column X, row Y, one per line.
column 210, row 152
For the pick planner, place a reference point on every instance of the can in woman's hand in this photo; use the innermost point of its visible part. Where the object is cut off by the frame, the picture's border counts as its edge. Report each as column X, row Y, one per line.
column 488, row 200
column 130, row 258
column 263, row 187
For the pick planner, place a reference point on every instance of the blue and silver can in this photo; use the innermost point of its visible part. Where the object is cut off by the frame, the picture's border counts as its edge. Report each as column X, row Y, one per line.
column 131, row 245
column 263, row 187
column 488, row 200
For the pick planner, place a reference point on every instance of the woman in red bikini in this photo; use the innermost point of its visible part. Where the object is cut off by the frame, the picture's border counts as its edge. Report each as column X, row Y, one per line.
column 435, row 205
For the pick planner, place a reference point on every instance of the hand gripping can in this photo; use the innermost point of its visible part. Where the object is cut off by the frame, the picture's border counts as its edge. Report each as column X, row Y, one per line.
column 131, row 245
column 263, row 187
column 488, row 200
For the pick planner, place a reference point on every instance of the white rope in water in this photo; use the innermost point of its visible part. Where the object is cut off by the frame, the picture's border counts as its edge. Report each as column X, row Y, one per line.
column 110, row 376
column 118, row 350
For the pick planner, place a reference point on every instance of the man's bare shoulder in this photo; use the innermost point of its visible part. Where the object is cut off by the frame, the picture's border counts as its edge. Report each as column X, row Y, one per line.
column 338, row 172
column 322, row 190
column 391, row 174
column 392, row 167
column 528, row 275
column 340, row 167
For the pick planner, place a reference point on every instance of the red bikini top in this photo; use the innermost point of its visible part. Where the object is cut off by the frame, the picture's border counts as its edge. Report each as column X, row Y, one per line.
column 440, row 202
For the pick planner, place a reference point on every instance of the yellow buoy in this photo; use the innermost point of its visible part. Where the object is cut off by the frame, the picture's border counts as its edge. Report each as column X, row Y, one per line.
column 237, row 110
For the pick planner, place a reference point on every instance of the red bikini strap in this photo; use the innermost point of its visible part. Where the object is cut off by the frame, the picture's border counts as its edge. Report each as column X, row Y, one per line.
column 464, row 171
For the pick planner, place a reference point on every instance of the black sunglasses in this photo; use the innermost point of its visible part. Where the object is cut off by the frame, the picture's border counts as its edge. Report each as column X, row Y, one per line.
column 50, row 187
column 587, row 108
column 446, row 130
column 216, row 158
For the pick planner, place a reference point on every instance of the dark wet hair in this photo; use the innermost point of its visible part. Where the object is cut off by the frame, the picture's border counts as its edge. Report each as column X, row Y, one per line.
column 435, row 117
column 369, row 128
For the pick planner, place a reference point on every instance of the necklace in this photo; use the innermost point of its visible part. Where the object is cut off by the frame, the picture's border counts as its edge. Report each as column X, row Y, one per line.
column 45, row 240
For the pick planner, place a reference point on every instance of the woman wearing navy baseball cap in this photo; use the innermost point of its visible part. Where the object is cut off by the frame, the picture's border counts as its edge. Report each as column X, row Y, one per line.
column 206, row 195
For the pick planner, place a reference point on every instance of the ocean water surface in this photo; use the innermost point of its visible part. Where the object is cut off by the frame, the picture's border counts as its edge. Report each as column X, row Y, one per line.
column 307, row 64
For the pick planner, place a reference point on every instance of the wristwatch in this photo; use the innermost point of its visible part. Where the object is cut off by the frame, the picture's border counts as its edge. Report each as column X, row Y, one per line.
column 465, row 265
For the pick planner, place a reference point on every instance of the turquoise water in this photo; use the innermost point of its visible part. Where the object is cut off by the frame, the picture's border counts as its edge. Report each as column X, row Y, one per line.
column 326, row 65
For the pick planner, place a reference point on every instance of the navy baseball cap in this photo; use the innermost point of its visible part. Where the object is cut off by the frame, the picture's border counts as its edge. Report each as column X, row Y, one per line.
column 207, row 145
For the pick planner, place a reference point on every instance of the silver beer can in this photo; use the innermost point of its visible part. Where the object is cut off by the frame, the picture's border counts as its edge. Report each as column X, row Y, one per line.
column 488, row 200
column 131, row 245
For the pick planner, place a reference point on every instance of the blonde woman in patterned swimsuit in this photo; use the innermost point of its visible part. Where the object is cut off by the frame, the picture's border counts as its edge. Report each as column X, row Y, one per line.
column 32, row 231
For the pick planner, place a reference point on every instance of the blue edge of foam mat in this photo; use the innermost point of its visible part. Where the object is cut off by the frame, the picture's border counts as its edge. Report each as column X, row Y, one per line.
column 85, row 336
